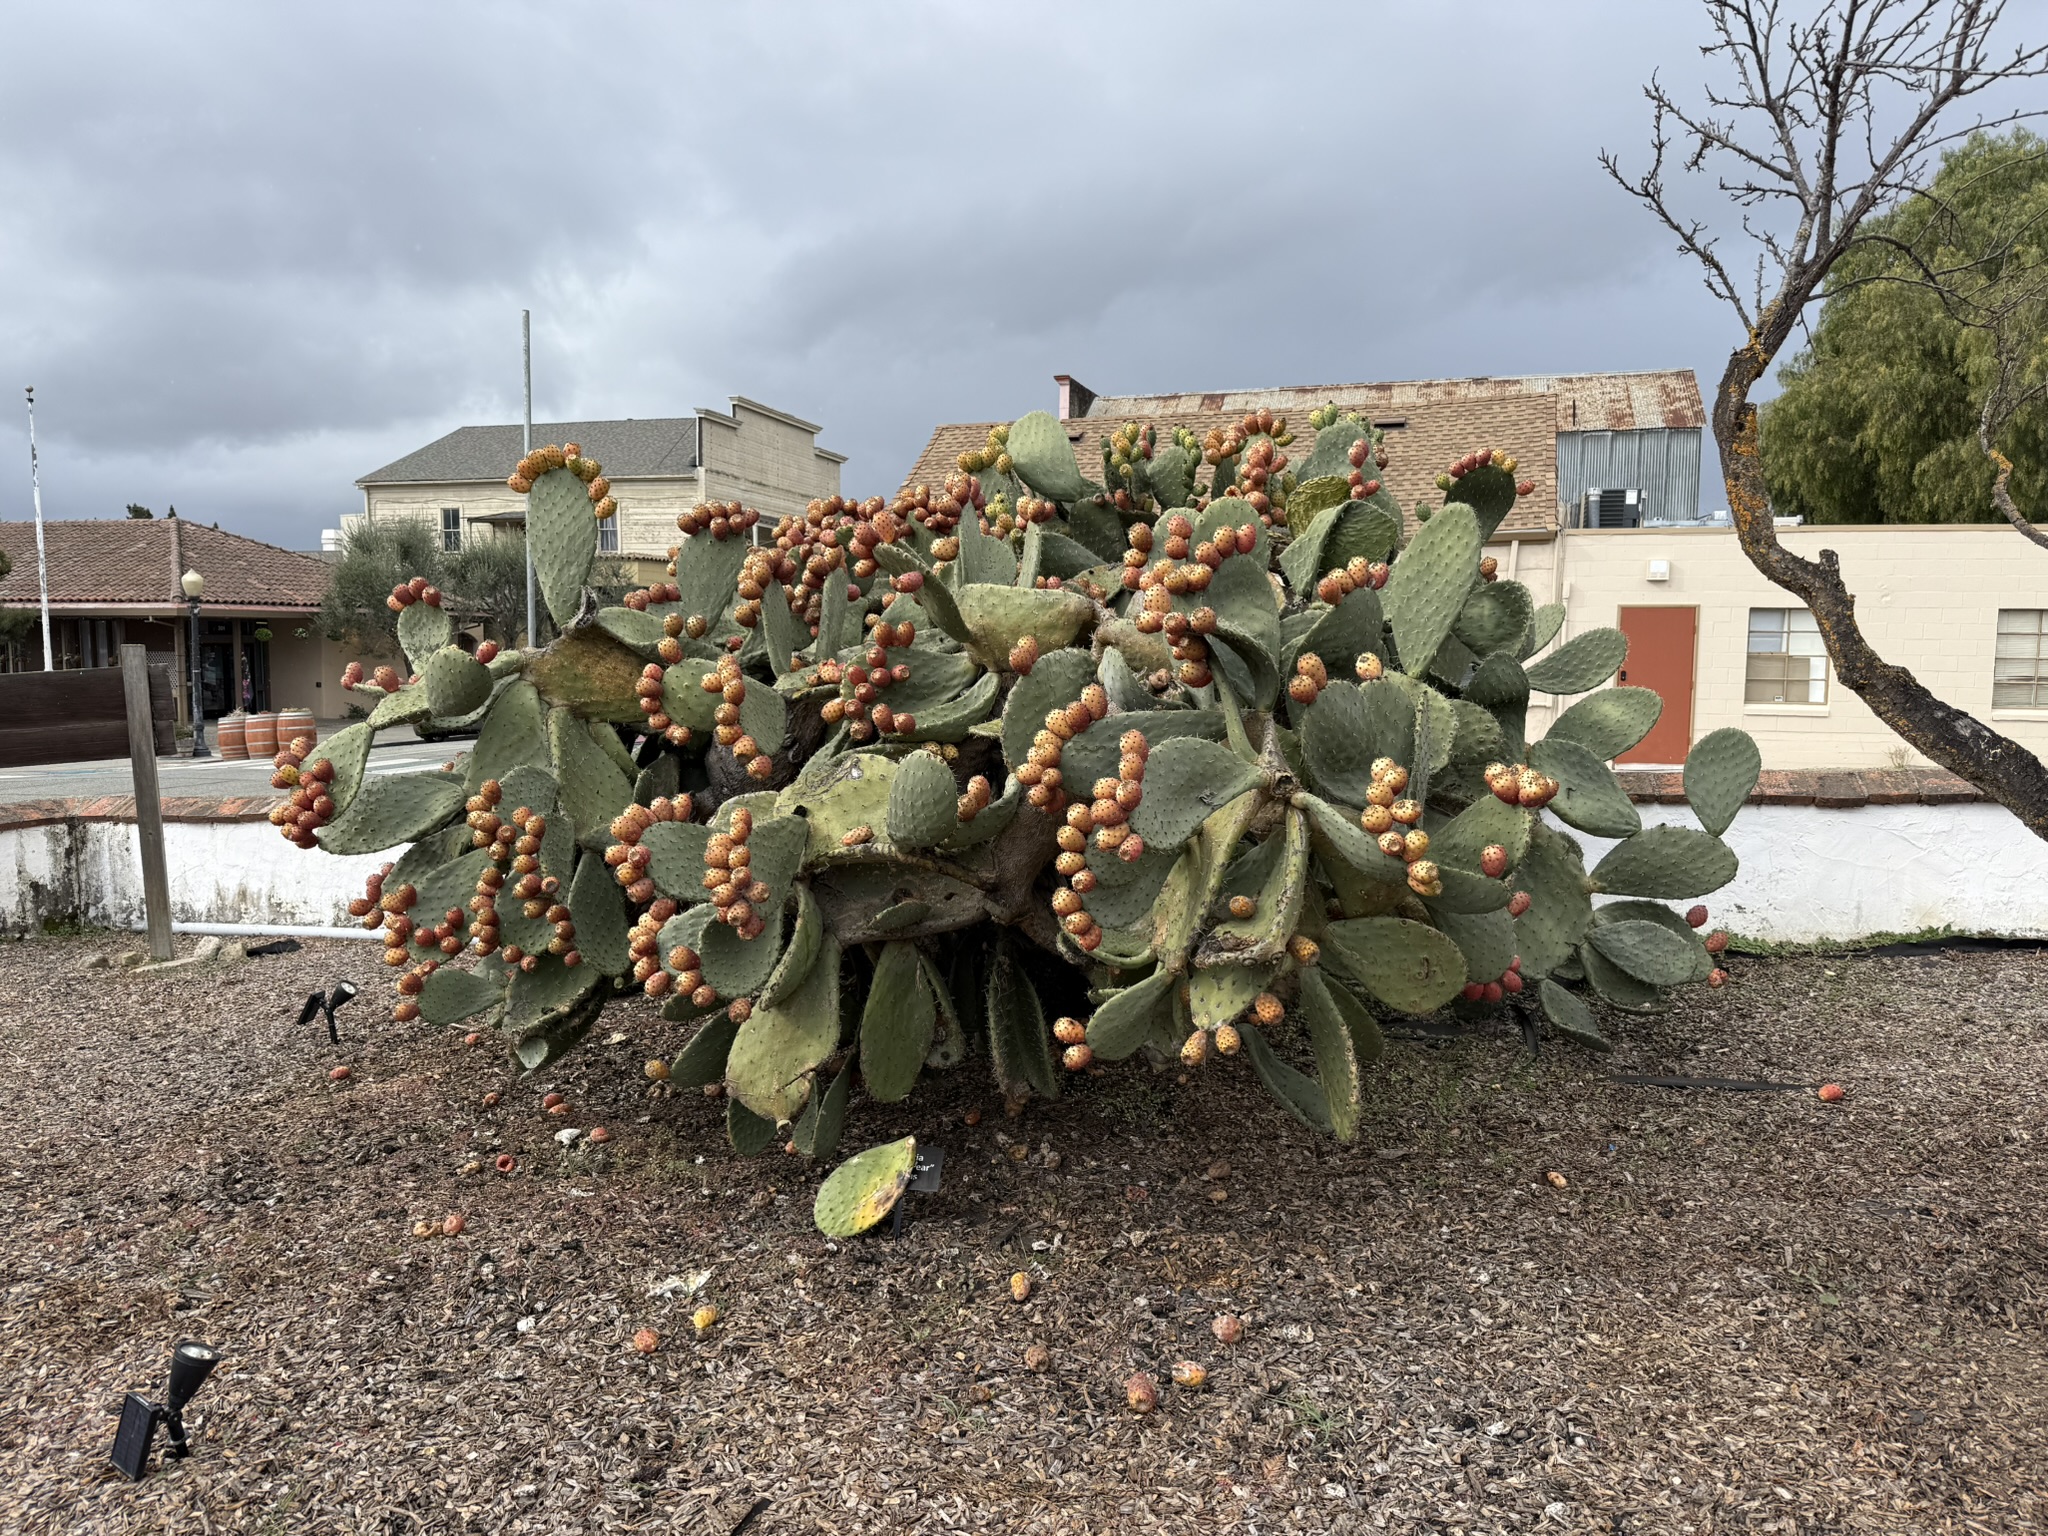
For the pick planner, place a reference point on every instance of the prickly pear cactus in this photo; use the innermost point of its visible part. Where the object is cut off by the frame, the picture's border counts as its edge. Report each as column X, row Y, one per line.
column 1213, row 757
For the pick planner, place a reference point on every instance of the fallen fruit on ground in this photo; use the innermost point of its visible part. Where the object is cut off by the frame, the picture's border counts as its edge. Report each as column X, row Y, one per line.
column 1227, row 1327
column 704, row 1319
column 1142, row 1393
column 1020, row 1286
column 506, row 1163
column 1037, row 1358
column 1832, row 1093
column 647, row 1341
column 338, row 1075
column 451, row 1226
column 599, row 1134
column 1188, row 1374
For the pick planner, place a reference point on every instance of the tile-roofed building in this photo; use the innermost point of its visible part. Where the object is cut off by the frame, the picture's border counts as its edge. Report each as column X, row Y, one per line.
column 657, row 466
column 1570, row 432
column 116, row 581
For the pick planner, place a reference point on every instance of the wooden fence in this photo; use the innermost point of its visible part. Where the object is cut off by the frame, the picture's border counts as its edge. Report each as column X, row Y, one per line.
column 77, row 716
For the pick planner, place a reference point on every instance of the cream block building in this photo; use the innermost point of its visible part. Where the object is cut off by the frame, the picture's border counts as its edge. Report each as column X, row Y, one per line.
column 1962, row 606
column 658, row 467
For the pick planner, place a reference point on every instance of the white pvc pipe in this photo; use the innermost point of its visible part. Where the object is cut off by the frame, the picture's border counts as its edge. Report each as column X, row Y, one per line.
column 275, row 930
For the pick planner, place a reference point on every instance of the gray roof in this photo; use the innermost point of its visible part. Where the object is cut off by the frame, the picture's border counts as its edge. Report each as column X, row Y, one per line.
column 662, row 445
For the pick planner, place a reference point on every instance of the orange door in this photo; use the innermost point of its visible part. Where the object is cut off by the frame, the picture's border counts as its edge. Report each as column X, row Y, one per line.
column 1660, row 656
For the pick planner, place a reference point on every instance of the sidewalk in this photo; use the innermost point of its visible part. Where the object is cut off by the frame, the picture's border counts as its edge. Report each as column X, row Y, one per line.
column 398, row 750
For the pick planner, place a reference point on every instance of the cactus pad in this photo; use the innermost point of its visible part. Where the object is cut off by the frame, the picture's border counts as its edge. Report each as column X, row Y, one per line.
column 1720, row 771
column 864, row 1189
column 769, row 1068
column 1187, row 780
column 450, row 996
column 1610, row 721
column 456, row 682
column 922, row 801
column 391, row 809
column 1589, row 796
column 1296, row 1092
column 1426, row 591
column 563, row 537
column 1582, row 663
column 423, row 629
column 1570, row 1017
column 1337, row 1071
column 1672, row 863
column 1648, row 951
column 896, row 1028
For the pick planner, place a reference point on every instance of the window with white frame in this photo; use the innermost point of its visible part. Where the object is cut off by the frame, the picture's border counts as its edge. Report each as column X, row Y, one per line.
column 2019, row 674
column 451, row 528
column 1787, row 663
column 608, row 535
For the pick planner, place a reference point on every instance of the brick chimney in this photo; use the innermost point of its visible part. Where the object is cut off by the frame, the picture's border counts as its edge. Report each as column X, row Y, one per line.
column 1075, row 397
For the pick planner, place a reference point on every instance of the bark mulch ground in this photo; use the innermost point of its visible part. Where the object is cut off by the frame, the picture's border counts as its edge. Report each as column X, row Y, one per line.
column 1742, row 1312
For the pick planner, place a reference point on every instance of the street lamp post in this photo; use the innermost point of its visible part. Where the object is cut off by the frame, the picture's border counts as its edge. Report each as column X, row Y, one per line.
column 195, row 586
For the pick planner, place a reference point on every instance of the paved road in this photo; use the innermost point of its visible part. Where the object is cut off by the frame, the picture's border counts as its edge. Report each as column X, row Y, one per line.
column 205, row 777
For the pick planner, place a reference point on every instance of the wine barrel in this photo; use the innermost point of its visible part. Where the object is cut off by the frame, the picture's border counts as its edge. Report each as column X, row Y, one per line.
column 262, row 734
column 294, row 723
column 229, row 735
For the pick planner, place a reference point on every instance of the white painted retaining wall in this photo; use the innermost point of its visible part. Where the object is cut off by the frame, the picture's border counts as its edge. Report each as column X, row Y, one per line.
column 1807, row 873
column 220, row 871
column 1810, row 873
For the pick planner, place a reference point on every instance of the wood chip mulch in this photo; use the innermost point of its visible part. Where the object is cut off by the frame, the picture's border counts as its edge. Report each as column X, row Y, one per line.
column 1741, row 1312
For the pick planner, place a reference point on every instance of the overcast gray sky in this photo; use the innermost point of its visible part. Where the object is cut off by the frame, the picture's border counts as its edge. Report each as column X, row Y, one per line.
column 252, row 252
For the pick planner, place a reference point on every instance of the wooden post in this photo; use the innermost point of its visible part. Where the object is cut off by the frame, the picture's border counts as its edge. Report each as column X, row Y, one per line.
column 149, row 810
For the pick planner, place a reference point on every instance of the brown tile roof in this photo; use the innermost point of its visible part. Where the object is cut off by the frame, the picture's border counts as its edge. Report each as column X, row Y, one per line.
column 1428, row 436
column 1585, row 402
column 136, row 561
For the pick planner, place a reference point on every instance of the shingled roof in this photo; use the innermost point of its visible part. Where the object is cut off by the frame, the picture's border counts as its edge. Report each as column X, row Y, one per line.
column 657, row 447
column 1421, row 439
column 138, row 562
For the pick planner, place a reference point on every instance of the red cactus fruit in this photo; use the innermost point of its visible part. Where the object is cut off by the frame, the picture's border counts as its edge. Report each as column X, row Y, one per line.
column 1696, row 917
column 1832, row 1093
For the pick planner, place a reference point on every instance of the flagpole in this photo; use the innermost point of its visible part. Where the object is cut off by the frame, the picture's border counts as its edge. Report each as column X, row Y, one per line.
column 526, row 447
column 42, row 563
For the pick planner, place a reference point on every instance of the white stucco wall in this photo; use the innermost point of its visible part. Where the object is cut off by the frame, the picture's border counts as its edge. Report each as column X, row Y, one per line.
column 221, row 872
column 1809, row 873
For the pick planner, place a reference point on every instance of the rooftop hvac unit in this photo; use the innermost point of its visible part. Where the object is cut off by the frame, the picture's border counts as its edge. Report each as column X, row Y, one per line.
column 1612, row 509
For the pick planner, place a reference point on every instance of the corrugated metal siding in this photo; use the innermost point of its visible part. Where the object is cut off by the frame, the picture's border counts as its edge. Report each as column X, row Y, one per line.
column 1664, row 464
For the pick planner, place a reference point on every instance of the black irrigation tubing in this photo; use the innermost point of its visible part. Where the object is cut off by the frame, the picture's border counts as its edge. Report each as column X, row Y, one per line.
column 1962, row 943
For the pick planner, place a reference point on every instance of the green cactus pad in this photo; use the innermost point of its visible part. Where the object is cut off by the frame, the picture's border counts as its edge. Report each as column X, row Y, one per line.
column 1096, row 752
column 1617, row 988
column 677, row 866
column 1589, row 796
column 1330, row 453
column 348, row 749
column 511, row 735
column 1495, row 617
column 818, row 1127
column 1543, row 629
column 1221, row 994
column 661, row 779
column 896, row 1027
column 1648, row 951
column 1609, row 721
column 1339, row 740
column 390, row 809
column 593, row 790
column 769, row 1068
column 455, row 681
column 449, row 884
column 1461, row 840
column 1044, row 457
column 1171, row 475
column 635, row 628
column 1434, row 732
column 806, row 939
column 1364, row 530
column 998, row 617
column 1367, row 1043
column 1186, row 781
column 702, row 1061
column 1476, row 737
column 598, row 909
column 854, row 794
column 408, row 706
column 1311, row 498
column 1296, row 1092
column 1342, row 633
column 1570, row 1017
column 949, row 1037
column 1019, row 1044
column 1463, row 891
column 1668, row 862
column 1485, row 939
column 1338, row 838
column 923, row 801
column 1560, row 911
column 1057, row 679
column 1665, row 918
column 589, row 672
column 993, row 820
column 450, row 996
column 557, row 1032
column 748, row 1132
column 1581, row 664
column 1191, row 887
column 1428, row 587
column 1129, row 1018
column 1337, row 1071
column 424, row 629
column 838, row 618
column 1406, row 965
column 538, row 998
column 785, row 633
column 562, row 534
column 708, row 574
column 1264, row 935
column 864, row 1189
column 1720, row 771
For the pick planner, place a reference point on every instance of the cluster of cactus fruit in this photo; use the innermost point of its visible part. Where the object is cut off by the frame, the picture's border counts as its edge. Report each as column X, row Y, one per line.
column 1219, row 758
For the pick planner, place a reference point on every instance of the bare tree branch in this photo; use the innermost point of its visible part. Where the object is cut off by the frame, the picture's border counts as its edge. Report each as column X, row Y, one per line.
column 1847, row 110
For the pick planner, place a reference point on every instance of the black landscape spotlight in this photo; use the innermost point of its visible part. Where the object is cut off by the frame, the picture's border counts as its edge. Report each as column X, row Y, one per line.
column 318, row 1003
column 191, row 1363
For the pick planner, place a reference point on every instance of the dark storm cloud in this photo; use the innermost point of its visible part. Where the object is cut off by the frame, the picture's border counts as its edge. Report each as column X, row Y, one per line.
column 252, row 252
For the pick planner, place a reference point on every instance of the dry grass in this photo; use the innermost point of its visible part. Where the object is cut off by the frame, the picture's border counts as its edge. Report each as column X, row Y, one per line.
column 1744, row 1312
